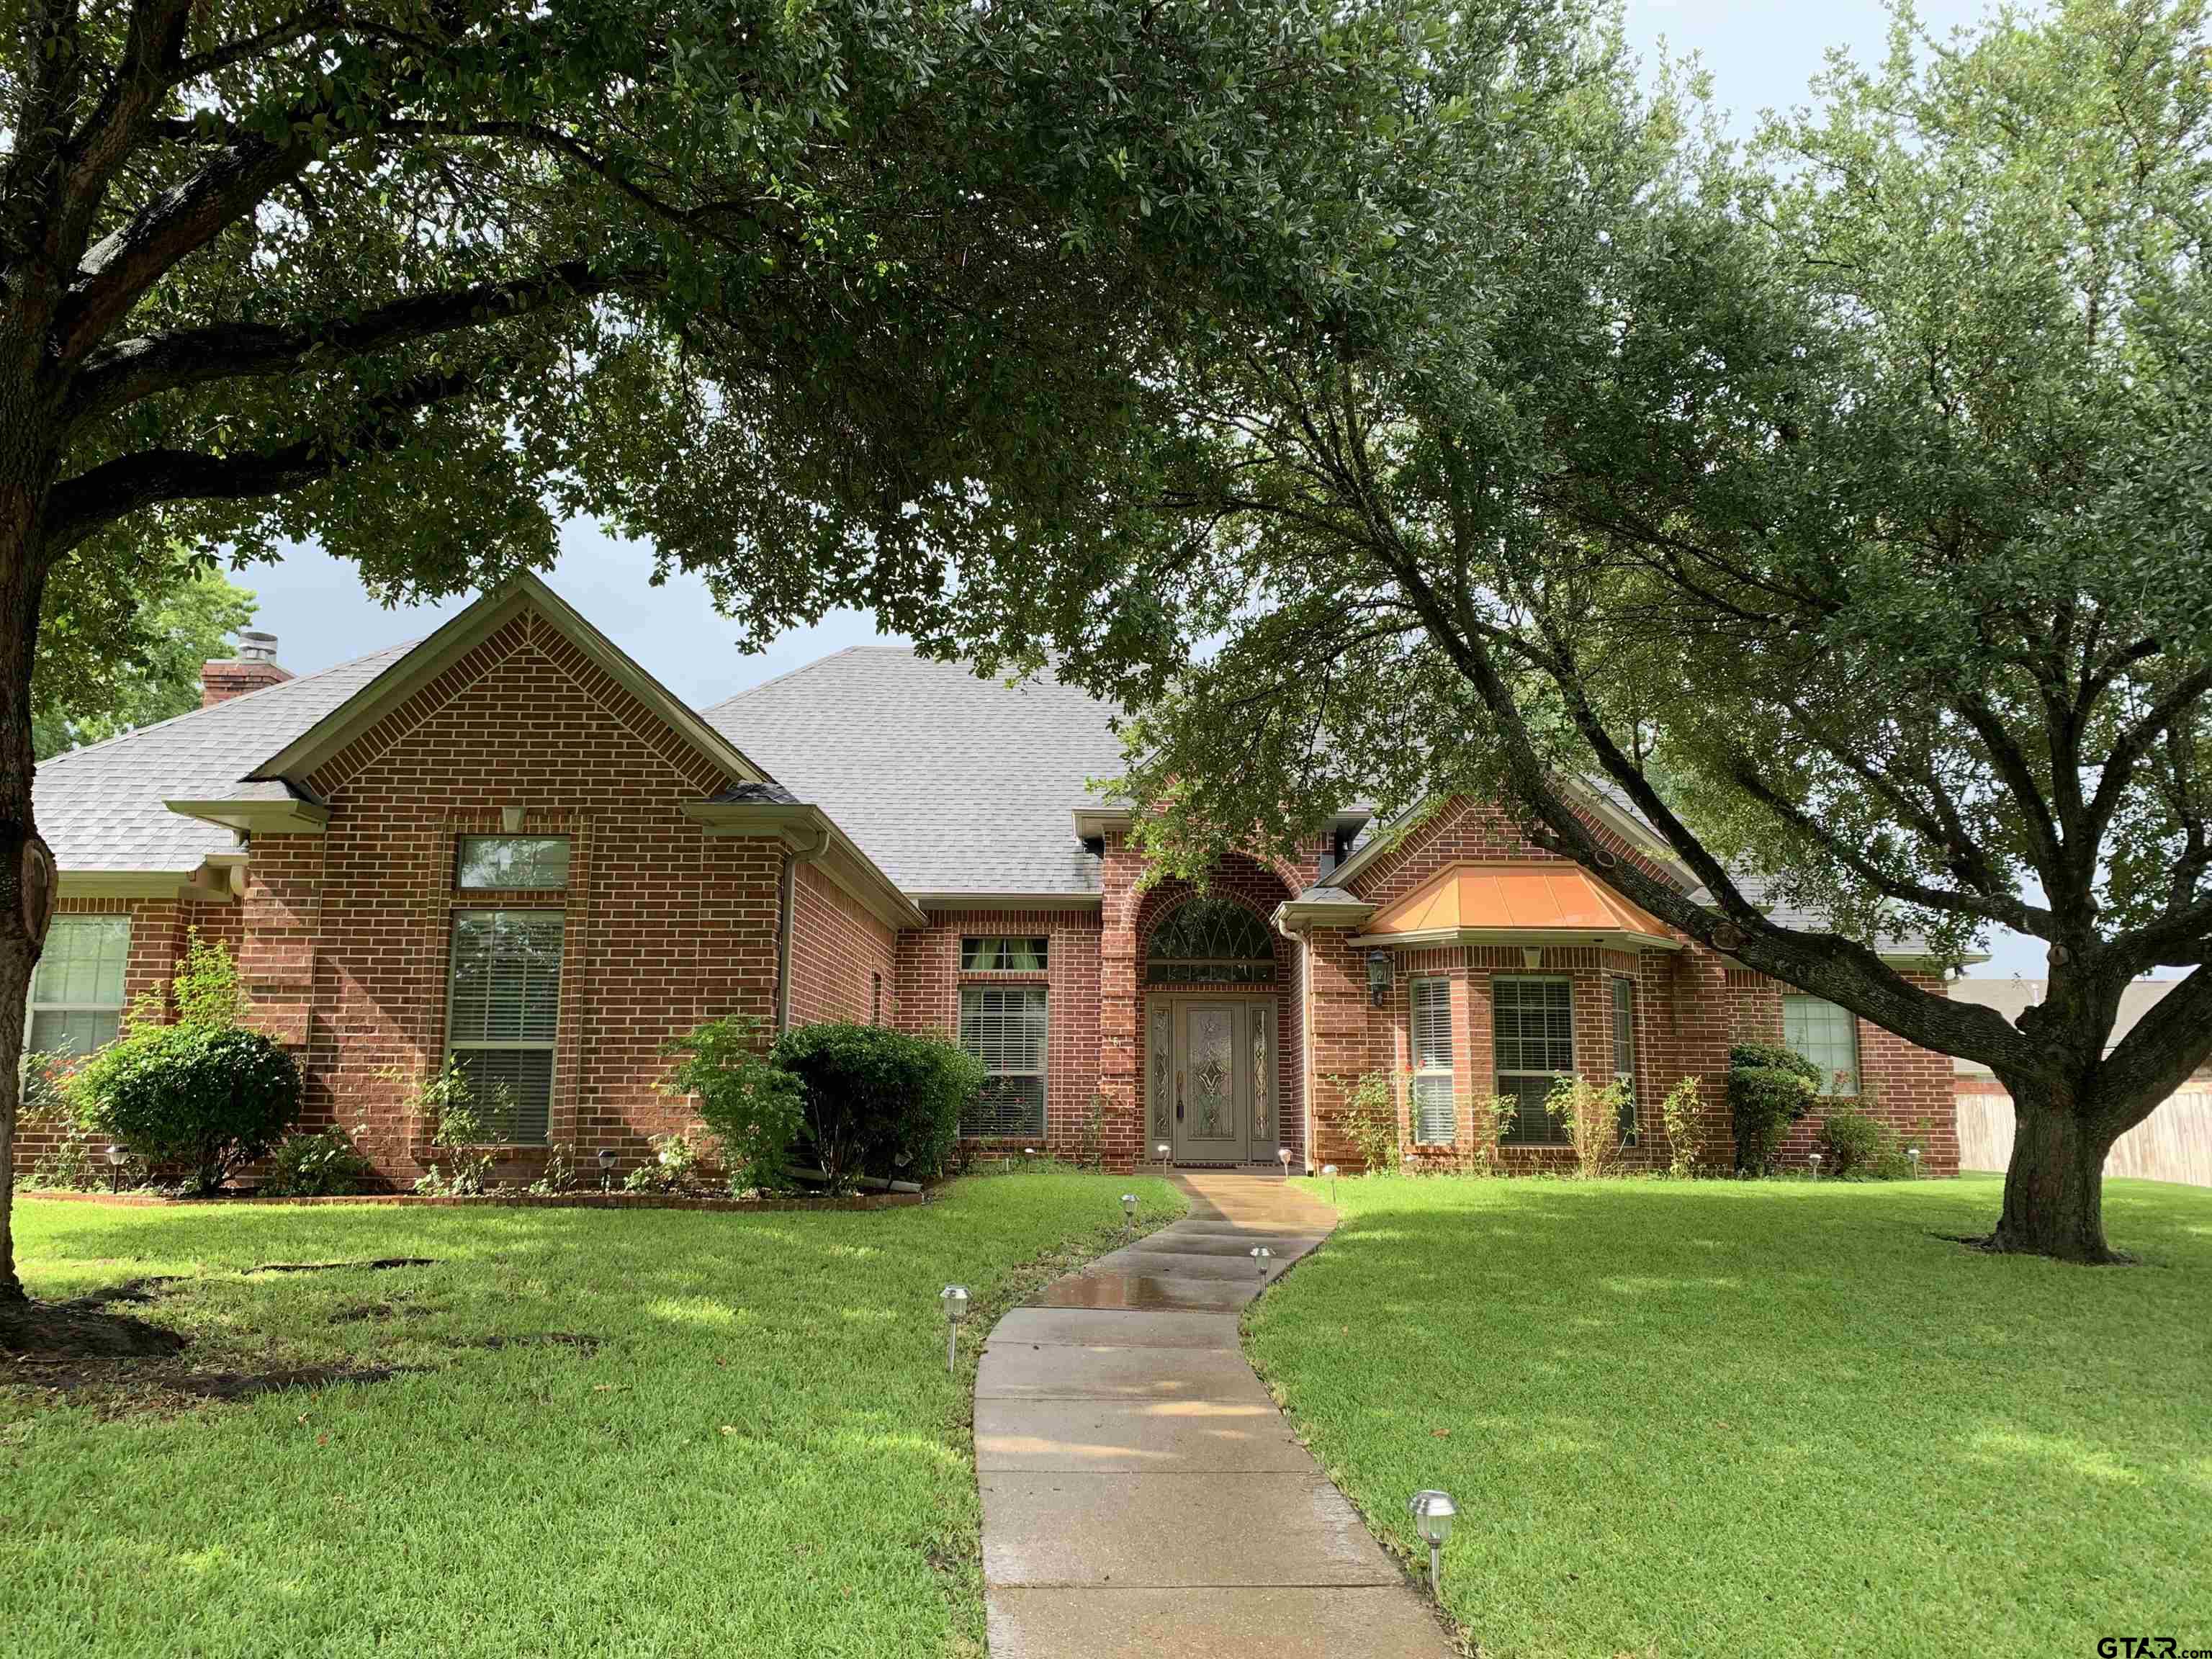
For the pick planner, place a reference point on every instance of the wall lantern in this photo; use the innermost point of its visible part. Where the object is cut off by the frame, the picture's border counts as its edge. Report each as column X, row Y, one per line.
column 1381, row 971
column 1262, row 1255
column 606, row 1168
column 115, row 1157
column 955, row 1299
column 1432, row 1513
column 1329, row 1169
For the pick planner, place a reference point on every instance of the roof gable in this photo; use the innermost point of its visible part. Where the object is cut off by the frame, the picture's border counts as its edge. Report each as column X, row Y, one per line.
column 515, row 600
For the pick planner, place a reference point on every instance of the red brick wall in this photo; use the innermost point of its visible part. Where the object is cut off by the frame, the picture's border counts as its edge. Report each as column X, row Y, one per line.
column 348, row 933
column 221, row 681
column 1690, row 1006
column 844, row 962
column 929, row 980
column 159, row 929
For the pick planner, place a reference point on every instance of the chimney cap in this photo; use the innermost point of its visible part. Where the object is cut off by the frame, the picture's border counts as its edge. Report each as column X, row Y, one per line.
column 253, row 646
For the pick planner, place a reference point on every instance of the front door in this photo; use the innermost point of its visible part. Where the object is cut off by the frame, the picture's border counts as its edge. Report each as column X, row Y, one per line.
column 1212, row 1078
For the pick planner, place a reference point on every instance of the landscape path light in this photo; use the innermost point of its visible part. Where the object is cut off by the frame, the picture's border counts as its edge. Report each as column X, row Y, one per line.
column 1913, row 1152
column 1283, row 1157
column 1164, row 1152
column 606, row 1168
column 1262, row 1254
column 1814, row 1159
column 1329, row 1169
column 1432, row 1513
column 1129, row 1212
column 955, row 1299
column 115, row 1157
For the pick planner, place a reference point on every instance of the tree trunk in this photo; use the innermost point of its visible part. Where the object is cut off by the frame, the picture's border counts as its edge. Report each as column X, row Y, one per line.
column 2054, row 1191
column 26, row 867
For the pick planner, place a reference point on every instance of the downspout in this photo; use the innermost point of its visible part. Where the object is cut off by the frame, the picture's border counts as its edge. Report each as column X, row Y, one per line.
column 787, row 903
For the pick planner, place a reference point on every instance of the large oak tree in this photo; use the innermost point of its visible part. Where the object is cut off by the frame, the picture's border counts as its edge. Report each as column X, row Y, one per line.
column 811, row 293
column 1842, row 505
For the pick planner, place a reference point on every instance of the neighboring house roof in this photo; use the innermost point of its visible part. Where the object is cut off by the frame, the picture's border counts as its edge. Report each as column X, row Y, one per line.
column 2011, row 997
column 955, row 784
column 102, row 808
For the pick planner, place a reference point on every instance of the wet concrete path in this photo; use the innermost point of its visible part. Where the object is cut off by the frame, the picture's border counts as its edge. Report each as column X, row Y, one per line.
column 1141, row 1494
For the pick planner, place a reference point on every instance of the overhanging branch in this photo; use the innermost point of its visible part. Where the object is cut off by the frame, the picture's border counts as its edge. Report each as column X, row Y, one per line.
column 81, row 506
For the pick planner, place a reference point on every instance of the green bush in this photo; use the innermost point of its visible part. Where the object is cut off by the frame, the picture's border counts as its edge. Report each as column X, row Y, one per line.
column 202, row 1100
column 1370, row 1122
column 753, row 1106
column 1854, row 1142
column 1768, row 1088
column 324, row 1163
column 877, row 1101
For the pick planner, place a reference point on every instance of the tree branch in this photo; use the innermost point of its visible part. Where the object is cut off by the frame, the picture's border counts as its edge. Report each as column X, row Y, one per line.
column 81, row 506
column 118, row 375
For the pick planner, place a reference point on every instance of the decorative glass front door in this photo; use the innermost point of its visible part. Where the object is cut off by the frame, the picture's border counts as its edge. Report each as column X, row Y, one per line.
column 1212, row 1077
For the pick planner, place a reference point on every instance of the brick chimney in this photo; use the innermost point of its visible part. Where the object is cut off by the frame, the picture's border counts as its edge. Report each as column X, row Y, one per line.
column 253, row 667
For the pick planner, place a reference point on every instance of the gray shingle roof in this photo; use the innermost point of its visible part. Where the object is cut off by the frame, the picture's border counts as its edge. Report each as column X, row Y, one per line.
column 951, row 783
column 100, row 807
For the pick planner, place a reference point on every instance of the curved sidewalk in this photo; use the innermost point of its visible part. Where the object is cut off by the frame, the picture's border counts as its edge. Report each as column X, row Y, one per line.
column 1141, row 1494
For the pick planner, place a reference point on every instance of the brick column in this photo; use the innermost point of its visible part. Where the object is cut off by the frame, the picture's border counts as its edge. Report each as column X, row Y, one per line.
column 1120, row 1057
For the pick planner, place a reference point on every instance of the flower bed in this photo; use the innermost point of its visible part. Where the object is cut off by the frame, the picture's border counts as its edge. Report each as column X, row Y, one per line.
column 519, row 1200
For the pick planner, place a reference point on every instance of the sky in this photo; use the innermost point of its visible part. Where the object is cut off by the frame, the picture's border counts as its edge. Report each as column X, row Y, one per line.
column 1760, row 53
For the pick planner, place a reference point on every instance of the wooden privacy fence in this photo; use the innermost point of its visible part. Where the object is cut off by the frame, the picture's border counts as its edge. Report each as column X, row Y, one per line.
column 2174, row 1143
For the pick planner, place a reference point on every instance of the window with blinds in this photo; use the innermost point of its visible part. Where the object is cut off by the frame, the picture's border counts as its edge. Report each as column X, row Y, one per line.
column 502, row 1012
column 1624, row 1055
column 1003, row 1026
column 1532, row 1026
column 1434, row 1119
column 1003, row 956
column 76, row 992
column 1828, row 1037
column 512, row 863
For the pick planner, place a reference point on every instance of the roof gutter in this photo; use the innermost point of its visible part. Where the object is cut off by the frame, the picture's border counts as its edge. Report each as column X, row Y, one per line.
column 808, row 831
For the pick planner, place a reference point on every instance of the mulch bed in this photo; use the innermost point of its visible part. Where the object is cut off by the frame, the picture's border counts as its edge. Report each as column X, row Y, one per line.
column 513, row 1200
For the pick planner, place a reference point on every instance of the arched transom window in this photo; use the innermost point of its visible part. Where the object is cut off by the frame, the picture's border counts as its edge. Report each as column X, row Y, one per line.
column 1211, row 941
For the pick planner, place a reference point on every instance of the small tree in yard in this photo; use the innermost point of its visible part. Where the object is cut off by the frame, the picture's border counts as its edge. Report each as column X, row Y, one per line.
column 754, row 1108
column 812, row 295
column 1838, row 506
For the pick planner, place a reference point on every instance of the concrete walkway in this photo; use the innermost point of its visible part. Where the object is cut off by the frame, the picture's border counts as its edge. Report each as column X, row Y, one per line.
column 1141, row 1494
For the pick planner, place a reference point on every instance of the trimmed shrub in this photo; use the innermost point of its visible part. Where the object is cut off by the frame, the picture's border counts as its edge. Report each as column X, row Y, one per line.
column 877, row 1101
column 202, row 1100
column 1768, row 1088
column 324, row 1165
column 751, row 1105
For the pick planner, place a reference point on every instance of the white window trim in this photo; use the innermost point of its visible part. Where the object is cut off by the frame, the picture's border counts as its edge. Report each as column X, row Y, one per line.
column 1447, row 1071
column 32, row 1007
column 1623, row 1001
column 1828, row 1090
column 548, row 1045
column 1043, row 1072
column 1499, row 1074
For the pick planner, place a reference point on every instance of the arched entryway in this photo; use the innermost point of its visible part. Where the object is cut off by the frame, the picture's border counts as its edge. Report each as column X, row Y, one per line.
column 1214, row 977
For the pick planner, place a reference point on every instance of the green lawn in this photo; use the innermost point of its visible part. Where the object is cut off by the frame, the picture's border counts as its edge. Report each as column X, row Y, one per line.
column 763, row 1454
column 1767, row 1419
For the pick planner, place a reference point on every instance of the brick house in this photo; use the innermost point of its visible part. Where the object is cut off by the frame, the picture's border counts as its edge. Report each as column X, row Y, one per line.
column 509, row 845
